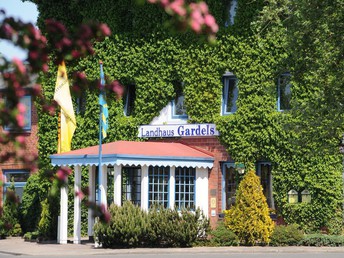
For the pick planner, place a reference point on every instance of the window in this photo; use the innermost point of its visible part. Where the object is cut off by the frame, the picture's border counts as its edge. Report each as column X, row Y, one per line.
column 129, row 99
column 26, row 100
column 185, row 187
column 232, row 7
column 81, row 103
column 284, row 92
column 18, row 178
column 230, row 94
column 231, row 178
column 158, row 178
column 264, row 172
column 178, row 104
column 131, row 185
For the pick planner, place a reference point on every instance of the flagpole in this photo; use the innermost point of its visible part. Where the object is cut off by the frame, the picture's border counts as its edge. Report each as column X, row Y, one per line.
column 100, row 201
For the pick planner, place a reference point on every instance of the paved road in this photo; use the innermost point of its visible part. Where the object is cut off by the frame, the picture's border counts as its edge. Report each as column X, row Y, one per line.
column 12, row 247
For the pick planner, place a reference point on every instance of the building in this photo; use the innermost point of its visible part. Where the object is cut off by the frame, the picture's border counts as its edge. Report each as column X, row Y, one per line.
column 12, row 170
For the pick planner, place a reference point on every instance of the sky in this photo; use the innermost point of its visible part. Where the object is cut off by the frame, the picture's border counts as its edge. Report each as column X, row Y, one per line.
column 27, row 12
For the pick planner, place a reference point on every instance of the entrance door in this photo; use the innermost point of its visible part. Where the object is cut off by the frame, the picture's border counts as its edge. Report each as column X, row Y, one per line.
column 131, row 185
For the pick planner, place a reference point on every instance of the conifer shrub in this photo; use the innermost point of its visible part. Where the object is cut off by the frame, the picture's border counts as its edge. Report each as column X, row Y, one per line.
column 128, row 227
column 175, row 228
column 249, row 218
column 223, row 236
column 10, row 215
column 132, row 227
column 286, row 235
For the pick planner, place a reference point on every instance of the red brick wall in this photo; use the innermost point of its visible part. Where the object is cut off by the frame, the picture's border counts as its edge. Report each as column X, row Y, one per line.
column 31, row 148
column 210, row 144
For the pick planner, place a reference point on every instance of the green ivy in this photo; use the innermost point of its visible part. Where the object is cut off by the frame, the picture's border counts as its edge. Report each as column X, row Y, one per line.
column 301, row 143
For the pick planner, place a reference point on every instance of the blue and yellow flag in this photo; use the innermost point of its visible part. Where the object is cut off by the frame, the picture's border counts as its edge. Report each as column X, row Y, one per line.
column 103, row 105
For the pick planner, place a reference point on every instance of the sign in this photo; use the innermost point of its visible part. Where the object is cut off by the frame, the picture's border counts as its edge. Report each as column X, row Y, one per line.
column 187, row 130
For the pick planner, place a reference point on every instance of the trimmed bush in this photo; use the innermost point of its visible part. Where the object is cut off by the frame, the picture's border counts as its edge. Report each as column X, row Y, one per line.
column 322, row 240
column 128, row 227
column 222, row 236
column 286, row 235
column 249, row 218
column 176, row 228
column 132, row 227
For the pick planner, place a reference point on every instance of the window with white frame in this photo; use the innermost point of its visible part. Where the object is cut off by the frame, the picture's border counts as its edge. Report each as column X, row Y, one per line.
column 26, row 100
column 284, row 92
column 131, row 185
column 16, row 177
column 178, row 104
column 129, row 99
column 232, row 7
column 230, row 94
column 185, row 187
column 264, row 172
column 158, row 180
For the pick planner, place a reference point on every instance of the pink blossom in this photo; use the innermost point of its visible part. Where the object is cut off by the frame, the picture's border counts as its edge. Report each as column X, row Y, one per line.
column 117, row 88
column 105, row 29
column 209, row 20
column 79, row 194
column 164, row 3
column 19, row 64
column 20, row 120
column 178, row 7
column 62, row 174
column 203, row 7
column 196, row 26
column 21, row 108
column 20, row 139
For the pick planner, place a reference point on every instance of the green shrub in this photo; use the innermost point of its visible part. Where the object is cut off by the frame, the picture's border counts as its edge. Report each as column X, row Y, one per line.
column 222, row 236
column 249, row 218
column 131, row 227
column 128, row 227
column 31, row 236
column 10, row 215
column 176, row 228
column 322, row 240
column 286, row 235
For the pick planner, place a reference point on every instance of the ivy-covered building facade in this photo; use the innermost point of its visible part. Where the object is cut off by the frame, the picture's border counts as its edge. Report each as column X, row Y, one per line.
column 261, row 104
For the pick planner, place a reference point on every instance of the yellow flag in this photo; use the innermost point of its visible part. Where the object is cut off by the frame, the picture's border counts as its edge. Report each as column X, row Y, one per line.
column 67, row 122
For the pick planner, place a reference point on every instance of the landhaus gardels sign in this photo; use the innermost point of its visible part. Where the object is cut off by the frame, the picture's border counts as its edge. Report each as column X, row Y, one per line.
column 150, row 131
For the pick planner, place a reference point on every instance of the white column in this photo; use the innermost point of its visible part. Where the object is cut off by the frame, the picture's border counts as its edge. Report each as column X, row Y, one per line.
column 171, row 190
column 63, row 227
column 91, row 198
column 144, row 188
column 117, row 185
column 103, row 186
column 77, row 205
column 202, row 198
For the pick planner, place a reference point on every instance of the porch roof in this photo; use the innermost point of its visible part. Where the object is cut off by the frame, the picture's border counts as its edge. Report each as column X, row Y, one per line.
column 137, row 154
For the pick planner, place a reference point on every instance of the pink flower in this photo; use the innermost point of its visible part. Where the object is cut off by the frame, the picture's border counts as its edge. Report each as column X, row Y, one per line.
column 178, row 7
column 79, row 194
column 164, row 3
column 19, row 64
column 105, row 29
column 20, row 120
column 196, row 26
column 117, row 88
column 203, row 7
column 21, row 108
column 209, row 20
column 62, row 174
column 20, row 139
